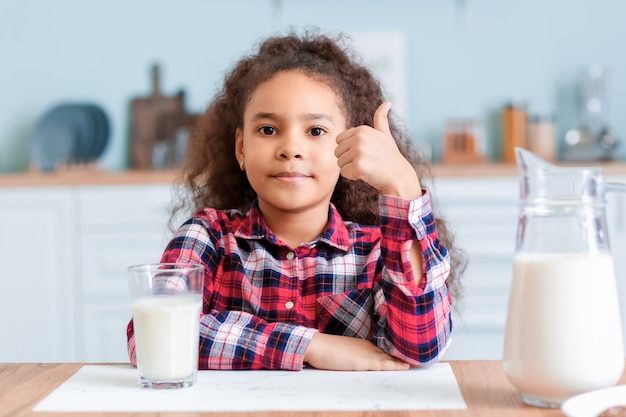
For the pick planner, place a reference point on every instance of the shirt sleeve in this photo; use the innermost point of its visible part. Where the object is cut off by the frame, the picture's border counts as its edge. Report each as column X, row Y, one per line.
column 412, row 314
column 231, row 339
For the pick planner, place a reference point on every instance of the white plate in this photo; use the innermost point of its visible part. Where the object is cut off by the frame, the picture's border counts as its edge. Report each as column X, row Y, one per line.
column 592, row 403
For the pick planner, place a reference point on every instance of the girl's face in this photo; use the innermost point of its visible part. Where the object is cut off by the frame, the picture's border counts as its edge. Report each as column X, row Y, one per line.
column 287, row 143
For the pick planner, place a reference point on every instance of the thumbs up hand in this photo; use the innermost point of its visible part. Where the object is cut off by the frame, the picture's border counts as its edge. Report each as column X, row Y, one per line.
column 370, row 154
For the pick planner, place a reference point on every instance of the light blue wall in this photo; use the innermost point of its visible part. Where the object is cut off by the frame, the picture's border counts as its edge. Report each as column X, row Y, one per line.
column 101, row 51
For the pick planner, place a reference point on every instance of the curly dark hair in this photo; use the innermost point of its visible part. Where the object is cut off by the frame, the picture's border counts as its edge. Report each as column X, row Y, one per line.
column 212, row 176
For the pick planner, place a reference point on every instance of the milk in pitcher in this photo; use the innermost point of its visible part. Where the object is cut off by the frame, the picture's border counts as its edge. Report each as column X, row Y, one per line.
column 563, row 326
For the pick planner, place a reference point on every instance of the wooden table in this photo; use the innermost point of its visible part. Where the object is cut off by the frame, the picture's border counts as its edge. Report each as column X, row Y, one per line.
column 485, row 388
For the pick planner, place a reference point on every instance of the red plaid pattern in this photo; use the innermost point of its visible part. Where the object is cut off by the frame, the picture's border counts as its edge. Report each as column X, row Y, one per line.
column 263, row 300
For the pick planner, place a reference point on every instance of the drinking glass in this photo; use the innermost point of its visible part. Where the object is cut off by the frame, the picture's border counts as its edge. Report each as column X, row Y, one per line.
column 166, row 301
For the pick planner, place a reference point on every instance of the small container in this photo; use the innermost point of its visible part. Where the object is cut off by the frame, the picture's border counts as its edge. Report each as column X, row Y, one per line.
column 542, row 137
column 464, row 141
column 514, row 129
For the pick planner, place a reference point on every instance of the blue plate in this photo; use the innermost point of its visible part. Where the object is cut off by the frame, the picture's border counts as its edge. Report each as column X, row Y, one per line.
column 104, row 130
column 98, row 133
column 87, row 153
column 53, row 143
column 69, row 133
column 83, row 123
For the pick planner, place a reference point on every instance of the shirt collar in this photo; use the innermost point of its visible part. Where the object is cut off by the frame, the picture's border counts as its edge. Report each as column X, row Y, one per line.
column 334, row 234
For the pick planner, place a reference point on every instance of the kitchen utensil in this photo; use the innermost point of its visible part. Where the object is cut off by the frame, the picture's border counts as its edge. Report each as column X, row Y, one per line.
column 593, row 140
column 155, row 120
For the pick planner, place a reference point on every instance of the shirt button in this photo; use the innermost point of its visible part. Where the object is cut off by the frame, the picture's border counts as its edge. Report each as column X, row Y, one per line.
column 290, row 255
column 289, row 305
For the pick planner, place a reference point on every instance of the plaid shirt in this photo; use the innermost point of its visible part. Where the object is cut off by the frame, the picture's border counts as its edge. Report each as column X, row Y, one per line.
column 263, row 300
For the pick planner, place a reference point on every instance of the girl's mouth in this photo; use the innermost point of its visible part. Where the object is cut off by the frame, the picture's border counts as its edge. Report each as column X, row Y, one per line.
column 291, row 177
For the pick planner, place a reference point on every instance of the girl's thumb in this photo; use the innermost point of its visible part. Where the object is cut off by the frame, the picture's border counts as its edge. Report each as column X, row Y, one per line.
column 381, row 121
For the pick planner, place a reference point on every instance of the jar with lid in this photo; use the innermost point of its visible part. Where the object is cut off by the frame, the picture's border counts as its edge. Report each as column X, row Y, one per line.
column 514, row 129
column 542, row 137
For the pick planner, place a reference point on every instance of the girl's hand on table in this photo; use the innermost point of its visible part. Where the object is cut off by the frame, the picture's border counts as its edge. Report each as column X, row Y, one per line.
column 343, row 353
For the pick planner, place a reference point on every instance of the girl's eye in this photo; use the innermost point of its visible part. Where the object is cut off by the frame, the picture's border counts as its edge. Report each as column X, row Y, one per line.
column 316, row 131
column 267, row 130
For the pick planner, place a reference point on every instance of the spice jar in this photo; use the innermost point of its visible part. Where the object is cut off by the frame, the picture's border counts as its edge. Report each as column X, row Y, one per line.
column 542, row 137
column 464, row 141
column 514, row 127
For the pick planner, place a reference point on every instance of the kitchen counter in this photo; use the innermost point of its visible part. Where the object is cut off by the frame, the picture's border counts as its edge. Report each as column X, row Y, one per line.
column 101, row 177
column 510, row 170
column 87, row 177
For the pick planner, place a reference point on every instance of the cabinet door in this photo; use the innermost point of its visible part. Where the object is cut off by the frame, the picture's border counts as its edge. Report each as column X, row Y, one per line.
column 104, row 331
column 118, row 226
column 37, row 289
column 482, row 213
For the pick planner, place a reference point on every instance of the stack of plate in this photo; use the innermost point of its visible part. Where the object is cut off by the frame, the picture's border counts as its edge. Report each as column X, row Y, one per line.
column 69, row 133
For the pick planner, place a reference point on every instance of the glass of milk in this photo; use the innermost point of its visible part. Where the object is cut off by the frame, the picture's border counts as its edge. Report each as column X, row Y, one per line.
column 166, row 301
column 564, row 333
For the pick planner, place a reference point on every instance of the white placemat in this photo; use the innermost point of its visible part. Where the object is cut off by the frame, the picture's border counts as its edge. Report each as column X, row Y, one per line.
column 116, row 388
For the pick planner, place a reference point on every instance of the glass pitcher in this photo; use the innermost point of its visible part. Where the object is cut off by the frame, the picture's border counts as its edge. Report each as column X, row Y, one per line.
column 563, row 333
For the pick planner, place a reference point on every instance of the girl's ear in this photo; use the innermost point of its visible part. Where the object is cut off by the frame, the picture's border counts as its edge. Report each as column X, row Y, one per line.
column 239, row 146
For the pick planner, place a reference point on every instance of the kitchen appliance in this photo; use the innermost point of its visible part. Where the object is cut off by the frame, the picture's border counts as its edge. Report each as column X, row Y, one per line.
column 593, row 140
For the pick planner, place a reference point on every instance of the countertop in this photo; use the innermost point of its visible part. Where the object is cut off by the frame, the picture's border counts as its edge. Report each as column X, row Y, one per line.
column 87, row 177
column 102, row 177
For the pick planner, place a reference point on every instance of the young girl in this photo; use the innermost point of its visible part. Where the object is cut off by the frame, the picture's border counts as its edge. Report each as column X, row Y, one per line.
column 319, row 242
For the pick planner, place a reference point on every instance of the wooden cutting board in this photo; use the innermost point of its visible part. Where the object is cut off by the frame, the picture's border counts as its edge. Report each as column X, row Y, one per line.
column 156, row 119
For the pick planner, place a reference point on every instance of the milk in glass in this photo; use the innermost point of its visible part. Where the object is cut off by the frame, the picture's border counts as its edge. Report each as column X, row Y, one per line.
column 167, row 335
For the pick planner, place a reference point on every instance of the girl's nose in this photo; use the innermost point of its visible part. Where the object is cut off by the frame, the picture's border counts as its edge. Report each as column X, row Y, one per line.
column 290, row 148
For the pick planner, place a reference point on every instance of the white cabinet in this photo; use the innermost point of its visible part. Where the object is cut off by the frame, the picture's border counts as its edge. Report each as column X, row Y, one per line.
column 64, row 252
column 37, row 287
column 117, row 226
